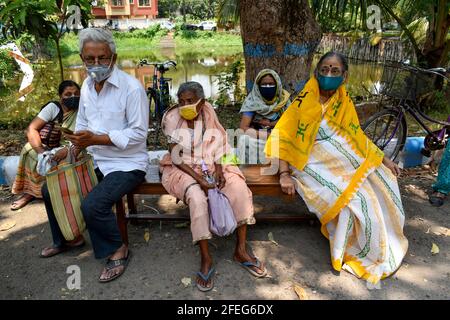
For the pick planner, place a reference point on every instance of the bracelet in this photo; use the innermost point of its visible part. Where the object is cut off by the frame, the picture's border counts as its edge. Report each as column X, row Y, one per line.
column 286, row 171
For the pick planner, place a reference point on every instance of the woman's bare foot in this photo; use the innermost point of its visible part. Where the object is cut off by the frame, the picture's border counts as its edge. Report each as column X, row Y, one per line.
column 53, row 250
column 252, row 264
column 205, row 268
column 22, row 201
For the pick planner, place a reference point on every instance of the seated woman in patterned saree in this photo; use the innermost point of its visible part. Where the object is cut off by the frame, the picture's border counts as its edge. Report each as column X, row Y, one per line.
column 341, row 175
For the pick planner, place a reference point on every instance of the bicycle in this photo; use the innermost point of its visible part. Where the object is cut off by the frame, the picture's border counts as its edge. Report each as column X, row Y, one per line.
column 404, row 86
column 158, row 94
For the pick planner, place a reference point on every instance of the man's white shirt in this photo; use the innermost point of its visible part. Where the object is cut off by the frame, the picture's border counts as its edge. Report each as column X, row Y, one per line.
column 121, row 111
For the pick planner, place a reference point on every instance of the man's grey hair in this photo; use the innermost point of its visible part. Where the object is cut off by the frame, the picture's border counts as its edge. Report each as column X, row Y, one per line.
column 192, row 86
column 96, row 35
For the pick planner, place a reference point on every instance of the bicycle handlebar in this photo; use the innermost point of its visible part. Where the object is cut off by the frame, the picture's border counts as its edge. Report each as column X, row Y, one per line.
column 437, row 71
column 159, row 65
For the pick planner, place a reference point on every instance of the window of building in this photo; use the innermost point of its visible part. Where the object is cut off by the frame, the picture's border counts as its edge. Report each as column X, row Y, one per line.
column 144, row 3
column 117, row 3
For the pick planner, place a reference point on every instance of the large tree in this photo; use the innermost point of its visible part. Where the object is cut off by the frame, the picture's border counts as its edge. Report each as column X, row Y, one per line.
column 281, row 35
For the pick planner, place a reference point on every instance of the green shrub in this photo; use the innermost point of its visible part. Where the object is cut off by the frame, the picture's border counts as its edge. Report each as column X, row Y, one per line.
column 7, row 65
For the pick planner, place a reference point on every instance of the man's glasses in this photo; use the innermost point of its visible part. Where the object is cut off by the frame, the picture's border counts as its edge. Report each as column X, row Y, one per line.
column 101, row 60
column 335, row 71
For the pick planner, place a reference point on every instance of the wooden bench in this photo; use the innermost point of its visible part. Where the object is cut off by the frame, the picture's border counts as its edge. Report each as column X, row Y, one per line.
column 267, row 185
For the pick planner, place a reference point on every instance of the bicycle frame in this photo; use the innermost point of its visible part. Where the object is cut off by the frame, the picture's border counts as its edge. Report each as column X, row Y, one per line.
column 414, row 110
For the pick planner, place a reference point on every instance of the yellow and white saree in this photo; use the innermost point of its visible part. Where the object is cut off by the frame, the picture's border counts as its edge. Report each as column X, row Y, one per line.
column 339, row 174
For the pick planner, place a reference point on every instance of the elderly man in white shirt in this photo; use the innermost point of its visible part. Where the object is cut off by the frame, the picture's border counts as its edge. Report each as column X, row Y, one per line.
column 112, row 123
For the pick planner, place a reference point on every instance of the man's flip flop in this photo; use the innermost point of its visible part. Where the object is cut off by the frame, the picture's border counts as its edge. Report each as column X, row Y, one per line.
column 206, row 278
column 248, row 264
column 111, row 264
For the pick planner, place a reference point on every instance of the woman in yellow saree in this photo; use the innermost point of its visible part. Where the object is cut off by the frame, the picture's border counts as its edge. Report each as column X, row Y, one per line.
column 341, row 175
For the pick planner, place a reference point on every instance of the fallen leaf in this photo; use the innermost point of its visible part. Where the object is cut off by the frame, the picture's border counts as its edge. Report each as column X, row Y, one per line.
column 7, row 225
column 186, row 282
column 182, row 225
column 301, row 293
column 434, row 249
column 271, row 239
column 147, row 235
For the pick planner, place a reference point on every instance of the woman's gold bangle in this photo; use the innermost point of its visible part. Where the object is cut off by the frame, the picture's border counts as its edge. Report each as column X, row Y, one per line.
column 284, row 172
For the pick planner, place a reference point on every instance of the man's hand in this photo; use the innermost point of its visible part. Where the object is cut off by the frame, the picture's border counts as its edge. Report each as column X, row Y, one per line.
column 82, row 139
column 60, row 154
column 392, row 166
column 287, row 184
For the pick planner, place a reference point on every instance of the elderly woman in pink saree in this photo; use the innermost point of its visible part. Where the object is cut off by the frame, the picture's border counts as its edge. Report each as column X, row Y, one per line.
column 195, row 135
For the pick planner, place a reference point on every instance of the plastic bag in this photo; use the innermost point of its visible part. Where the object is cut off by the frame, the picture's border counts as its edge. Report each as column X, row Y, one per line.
column 221, row 216
column 45, row 162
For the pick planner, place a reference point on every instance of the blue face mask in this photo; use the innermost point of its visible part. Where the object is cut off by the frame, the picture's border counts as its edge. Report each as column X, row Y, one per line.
column 268, row 92
column 330, row 83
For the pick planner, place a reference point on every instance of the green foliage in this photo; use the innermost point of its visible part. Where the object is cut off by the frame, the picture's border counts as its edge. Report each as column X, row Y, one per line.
column 150, row 33
column 7, row 65
column 195, row 38
column 438, row 102
column 17, row 114
column 40, row 18
column 228, row 11
column 229, row 82
column 195, row 9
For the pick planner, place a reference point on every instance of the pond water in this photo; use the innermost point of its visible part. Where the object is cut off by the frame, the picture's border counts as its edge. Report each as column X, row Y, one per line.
column 203, row 68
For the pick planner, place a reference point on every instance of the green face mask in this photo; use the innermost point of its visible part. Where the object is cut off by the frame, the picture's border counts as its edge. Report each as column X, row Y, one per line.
column 330, row 83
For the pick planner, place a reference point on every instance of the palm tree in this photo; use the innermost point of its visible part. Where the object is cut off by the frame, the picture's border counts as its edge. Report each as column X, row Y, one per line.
column 352, row 14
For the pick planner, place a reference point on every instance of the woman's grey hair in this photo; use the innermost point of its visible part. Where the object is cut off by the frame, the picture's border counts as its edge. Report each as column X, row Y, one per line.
column 192, row 86
column 96, row 35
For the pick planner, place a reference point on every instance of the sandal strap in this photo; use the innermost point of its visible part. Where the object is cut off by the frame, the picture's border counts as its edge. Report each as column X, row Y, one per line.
column 206, row 278
column 257, row 264
column 111, row 264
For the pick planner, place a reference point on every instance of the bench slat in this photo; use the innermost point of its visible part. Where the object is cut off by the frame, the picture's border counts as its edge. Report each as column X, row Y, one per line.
column 182, row 217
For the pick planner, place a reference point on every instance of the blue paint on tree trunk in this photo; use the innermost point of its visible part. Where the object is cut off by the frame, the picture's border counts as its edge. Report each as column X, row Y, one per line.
column 257, row 50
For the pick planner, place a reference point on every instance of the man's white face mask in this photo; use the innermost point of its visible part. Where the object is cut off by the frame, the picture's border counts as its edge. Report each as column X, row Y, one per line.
column 99, row 72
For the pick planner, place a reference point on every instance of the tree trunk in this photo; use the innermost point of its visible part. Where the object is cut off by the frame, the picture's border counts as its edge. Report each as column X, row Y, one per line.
column 39, row 49
column 281, row 35
column 437, row 46
column 58, row 51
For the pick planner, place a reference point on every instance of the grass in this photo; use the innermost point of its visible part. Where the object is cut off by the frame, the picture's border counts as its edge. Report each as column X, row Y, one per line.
column 139, row 43
column 195, row 39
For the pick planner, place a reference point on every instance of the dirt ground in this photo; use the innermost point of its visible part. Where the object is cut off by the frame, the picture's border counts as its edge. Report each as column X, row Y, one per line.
column 300, row 255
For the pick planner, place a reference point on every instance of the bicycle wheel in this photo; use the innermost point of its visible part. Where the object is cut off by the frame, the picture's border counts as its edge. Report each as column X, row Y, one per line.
column 388, row 130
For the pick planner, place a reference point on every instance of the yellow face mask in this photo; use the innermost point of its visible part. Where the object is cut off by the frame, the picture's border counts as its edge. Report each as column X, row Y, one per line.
column 189, row 112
